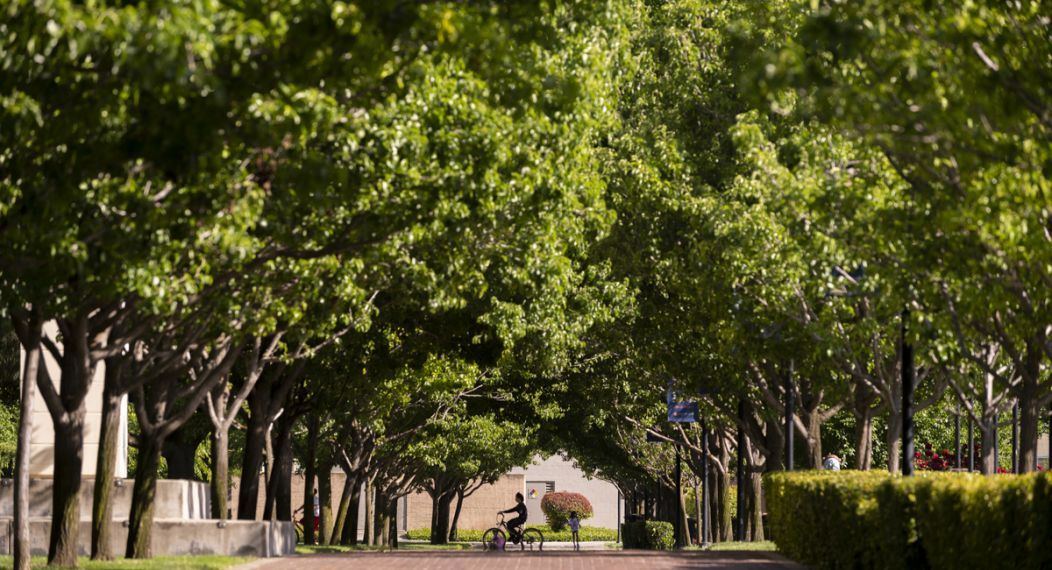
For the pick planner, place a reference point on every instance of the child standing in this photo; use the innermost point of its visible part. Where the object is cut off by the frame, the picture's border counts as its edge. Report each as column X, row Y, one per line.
column 575, row 527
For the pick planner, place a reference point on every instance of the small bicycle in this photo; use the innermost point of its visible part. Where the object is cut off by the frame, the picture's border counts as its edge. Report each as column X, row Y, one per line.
column 496, row 538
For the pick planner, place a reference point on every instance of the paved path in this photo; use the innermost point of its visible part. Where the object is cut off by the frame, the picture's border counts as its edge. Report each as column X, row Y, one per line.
column 611, row 560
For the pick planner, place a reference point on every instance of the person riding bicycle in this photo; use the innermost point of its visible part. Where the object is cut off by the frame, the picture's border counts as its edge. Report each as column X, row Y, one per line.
column 515, row 525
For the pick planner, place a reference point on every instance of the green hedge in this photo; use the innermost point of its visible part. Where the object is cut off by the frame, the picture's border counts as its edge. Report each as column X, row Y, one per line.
column 934, row 520
column 648, row 535
column 587, row 534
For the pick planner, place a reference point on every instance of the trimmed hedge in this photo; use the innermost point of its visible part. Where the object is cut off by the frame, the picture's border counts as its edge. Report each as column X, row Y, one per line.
column 587, row 534
column 648, row 535
column 934, row 520
column 557, row 507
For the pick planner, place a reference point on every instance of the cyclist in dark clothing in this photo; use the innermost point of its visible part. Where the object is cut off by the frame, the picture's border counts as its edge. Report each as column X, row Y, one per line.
column 515, row 525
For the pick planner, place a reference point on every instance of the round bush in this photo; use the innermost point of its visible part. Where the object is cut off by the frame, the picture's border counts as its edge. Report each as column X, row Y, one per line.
column 558, row 506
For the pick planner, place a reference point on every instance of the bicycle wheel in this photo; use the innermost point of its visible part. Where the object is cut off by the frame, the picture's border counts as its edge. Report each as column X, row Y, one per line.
column 493, row 539
column 532, row 539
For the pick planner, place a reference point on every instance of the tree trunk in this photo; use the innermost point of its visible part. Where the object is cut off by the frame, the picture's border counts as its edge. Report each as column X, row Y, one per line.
column 220, row 484
column 367, row 524
column 864, row 438
column 724, row 501
column 755, row 503
column 383, row 517
column 308, row 481
column 813, row 437
column 699, row 515
column 341, row 510
column 456, row 516
column 102, row 504
column 392, row 516
column 325, row 497
column 251, row 465
column 440, row 532
column 894, row 441
column 684, row 521
column 279, row 483
column 775, row 444
column 180, row 454
column 988, row 457
column 1029, row 421
column 69, row 461
column 30, row 373
column 350, row 535
column 140, row 522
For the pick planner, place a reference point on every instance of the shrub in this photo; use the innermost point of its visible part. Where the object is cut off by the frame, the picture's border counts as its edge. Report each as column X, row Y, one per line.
column 648, row 535
column 587, row 534
column 558, row 506
column 936, row 520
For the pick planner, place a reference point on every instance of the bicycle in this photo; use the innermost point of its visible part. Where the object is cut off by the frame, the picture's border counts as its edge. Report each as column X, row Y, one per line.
column 496, row 538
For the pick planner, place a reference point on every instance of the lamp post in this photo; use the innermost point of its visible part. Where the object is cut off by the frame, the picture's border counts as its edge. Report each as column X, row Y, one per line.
column 971, row 444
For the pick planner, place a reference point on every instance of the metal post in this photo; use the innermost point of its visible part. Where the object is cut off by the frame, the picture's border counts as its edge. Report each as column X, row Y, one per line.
column 971, row 444
column 618, row 516
column 679, row 500
column 907, row 398
column 790, row 403
column 1015, row 438
column 704, row 518
column 739, row 521
column 957, row 436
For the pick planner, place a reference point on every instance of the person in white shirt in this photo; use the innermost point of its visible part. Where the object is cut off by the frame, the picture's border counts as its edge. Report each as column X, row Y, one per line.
column 831, row 463
column 575, row 527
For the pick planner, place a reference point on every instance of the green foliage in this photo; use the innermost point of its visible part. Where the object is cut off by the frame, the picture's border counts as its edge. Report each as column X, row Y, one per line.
column 947, row 520
column 648, row 535
column 558, row 505
column 587, row 534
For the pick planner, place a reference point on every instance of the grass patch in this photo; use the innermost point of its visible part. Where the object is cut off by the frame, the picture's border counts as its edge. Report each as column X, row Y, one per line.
column 204, row 562
column 402, row 546
column 761, row 546
column 587, row 534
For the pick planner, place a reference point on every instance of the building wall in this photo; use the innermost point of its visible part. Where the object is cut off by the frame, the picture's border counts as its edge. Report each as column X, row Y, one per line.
column 479, row 510
column 1042, row 452
column 566, row 477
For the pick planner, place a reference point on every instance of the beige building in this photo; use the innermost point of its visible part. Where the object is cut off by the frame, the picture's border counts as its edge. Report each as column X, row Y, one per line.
column 545, row 475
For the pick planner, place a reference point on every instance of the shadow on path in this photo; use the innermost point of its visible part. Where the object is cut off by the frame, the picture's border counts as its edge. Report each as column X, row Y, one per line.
column 584, row 560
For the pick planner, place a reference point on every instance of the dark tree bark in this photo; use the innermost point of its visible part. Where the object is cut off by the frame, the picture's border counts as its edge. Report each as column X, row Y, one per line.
column 251, row 466
column 309, row 476
column 456, row 515
column 220, row 482
column 325, row 497
column 140, row 521
column 350, row 527
column 343, row 509
column 279, row 485
column 102, row 504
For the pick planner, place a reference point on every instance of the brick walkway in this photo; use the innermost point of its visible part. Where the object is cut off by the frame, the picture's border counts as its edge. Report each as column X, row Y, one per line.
column 612, row 560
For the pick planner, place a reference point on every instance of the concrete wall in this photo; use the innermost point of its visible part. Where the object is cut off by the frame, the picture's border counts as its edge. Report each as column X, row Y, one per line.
column 174, row 499
column 1042, row 452
column 479, row 510
column 175, row 537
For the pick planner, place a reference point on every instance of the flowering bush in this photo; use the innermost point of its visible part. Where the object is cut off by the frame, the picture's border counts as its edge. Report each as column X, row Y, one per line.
column 930, row 460
column 558, row 506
